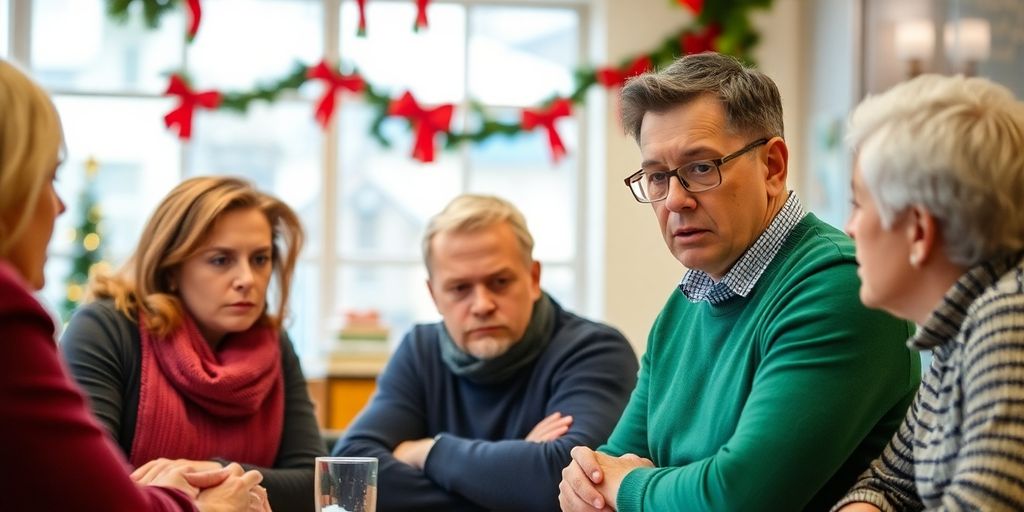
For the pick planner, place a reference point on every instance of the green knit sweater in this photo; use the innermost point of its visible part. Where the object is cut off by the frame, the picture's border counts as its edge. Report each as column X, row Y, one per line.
column 774, row 401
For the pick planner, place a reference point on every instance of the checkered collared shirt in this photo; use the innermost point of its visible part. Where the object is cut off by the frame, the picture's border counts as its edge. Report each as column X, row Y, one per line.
column 741, row 278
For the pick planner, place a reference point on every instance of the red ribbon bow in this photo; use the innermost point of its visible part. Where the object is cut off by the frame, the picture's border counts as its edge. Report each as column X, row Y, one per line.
column 546, row 118
column 421, row 14
column 362, row 17
column 182, row 116
column 195, row 13
column 612, row 77
column 426, row 122
column 699, row 42
column 694, row 5
column 335, row 82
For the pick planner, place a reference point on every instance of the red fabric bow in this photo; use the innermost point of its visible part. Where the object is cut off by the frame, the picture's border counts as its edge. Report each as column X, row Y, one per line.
column 362, row 17
column 612, row 77
column 335, row 82
column 426, row 122
column 700, row 42
column 546, row 118
column 695, row 5
column 421, row 14
column 195, row 13
column 182, row 115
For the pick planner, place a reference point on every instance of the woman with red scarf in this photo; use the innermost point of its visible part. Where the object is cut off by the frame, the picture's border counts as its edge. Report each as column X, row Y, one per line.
column 184, row 358
column 54, row 455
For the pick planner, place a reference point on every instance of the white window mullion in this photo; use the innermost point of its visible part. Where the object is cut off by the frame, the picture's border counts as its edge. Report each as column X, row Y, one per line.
column 20, row 37
column 331, row 183
column 183, row 147
column 464, row 152
column 591, row 304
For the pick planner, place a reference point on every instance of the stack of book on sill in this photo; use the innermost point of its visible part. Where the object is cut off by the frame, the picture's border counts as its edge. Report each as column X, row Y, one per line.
column 362, row 336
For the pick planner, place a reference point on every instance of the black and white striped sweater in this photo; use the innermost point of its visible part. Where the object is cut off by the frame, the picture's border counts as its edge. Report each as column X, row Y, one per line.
column 961, row 446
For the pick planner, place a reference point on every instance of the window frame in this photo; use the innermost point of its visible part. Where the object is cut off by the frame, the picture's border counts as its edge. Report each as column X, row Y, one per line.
column 328, row 261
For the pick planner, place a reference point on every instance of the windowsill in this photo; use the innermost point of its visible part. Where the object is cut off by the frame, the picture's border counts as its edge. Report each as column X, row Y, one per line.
column 346, row 365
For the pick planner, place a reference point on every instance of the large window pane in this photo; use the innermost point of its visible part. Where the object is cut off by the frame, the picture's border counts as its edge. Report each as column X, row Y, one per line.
column 387, row 197
column 304, row 321
column 430, row 63
column 76, row 46
column 243, row 42
column 57, row 270
column 560, row 282
column 138, row 162
column 521, row 170
column 501, row 55
column 522, row 55
column 277, row 147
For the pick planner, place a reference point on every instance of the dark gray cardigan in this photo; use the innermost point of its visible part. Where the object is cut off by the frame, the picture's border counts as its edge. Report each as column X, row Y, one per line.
column 101, row 346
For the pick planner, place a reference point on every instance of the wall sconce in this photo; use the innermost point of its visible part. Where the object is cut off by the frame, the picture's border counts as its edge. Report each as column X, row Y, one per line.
column 915, row 43
column 968, row 42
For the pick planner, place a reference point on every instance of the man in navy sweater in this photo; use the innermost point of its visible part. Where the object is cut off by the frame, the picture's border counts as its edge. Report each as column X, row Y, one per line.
column 479, row 412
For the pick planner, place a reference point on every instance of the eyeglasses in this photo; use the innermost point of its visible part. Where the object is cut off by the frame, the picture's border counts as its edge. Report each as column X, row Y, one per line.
column 698, row 176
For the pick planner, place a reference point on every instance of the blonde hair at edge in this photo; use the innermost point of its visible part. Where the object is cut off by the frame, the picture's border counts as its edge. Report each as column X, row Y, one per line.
column 953, row 146
column 175, row 232
column 472, row 212
column 30, row 143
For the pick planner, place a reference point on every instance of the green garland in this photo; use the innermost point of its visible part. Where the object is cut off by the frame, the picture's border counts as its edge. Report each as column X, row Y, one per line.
column 240, row 101
column 152, row 10
column 736, row 37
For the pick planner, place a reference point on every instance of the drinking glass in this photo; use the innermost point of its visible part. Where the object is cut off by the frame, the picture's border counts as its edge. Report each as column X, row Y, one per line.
column 346, row 484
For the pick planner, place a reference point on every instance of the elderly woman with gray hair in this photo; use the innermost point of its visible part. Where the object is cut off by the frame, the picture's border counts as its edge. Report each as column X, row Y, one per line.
column 938, row 220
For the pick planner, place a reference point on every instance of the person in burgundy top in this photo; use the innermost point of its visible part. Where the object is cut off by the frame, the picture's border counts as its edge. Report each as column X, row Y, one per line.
column 184, row 359
column 54, row 455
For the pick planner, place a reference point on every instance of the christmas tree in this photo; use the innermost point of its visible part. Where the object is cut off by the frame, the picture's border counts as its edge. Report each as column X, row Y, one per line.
column 85, row 250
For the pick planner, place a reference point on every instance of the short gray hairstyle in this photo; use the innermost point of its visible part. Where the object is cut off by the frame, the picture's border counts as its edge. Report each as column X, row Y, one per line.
column 751, row 100
column 472, row 212
column 951, row 145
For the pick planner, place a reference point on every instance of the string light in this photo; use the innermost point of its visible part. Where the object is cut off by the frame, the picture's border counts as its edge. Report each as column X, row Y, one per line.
column 91, row 242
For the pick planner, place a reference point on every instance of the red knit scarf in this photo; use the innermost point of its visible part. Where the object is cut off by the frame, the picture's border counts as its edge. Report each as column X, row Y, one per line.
column 198, row 404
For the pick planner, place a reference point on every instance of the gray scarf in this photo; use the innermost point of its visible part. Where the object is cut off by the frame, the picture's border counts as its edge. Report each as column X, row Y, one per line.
column 520, row 354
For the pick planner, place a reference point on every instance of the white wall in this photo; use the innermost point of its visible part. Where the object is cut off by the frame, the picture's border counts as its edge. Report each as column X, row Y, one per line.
column 638, row 271
column 883, row 69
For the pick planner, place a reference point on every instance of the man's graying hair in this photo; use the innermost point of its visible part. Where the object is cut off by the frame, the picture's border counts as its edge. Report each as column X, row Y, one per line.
column 473, row 212
column 751, row 100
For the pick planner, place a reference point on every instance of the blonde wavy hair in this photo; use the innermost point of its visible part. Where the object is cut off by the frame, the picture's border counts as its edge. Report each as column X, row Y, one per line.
column 31, row 140
column 175, row 232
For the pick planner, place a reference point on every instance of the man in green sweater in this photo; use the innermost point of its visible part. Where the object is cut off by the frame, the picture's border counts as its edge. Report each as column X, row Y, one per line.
column 766, row 384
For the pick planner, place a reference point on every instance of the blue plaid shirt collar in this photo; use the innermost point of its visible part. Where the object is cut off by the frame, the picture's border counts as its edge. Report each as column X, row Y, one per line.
column 698, row 286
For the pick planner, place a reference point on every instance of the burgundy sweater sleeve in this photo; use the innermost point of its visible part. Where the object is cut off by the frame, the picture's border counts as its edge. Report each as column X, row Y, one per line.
column 53, row 455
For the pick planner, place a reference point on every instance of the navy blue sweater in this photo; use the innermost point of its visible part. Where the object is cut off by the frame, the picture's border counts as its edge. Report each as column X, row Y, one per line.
column 480, row 460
